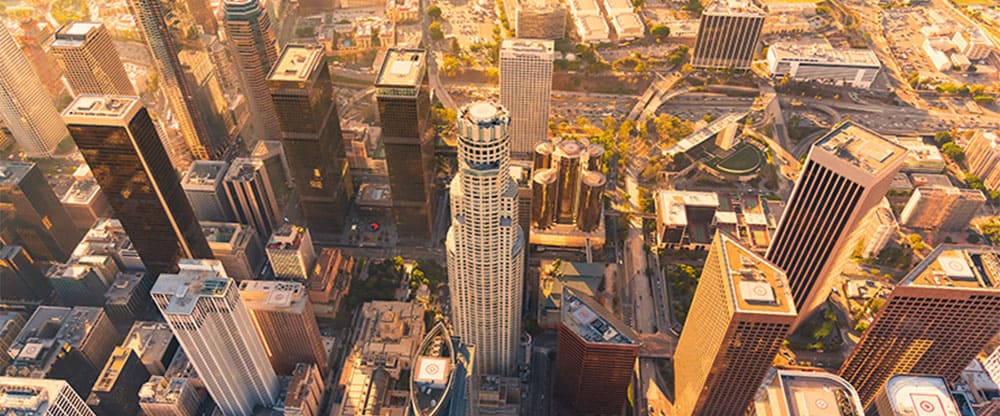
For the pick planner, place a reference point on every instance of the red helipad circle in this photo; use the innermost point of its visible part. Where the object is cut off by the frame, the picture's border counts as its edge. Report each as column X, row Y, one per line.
column 927, row 406
column 432, row 369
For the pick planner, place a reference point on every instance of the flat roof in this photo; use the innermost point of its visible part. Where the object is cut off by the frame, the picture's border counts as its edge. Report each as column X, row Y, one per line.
column 273, row 295
column 930, row 179
column 733, row 8
column 402, row 68
column 243, row 169
column 527, row 46
column 73, row 34
column 204, row 173
column 671, row 206
column 195, row 280
column 11, row 173
column 83, row 191
column 122, row 289
column 860, row 147
column 297, row 62
column 756, row 285
column 93, row 109
column 824, row 53
column 807, row 391
column 592, row 322
column 958, row 266
column 22, row 396
column 149, row 340
column 911, row 395
column 628, row 22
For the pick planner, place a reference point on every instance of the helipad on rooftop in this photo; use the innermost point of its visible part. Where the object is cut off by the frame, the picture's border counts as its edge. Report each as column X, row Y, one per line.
column 968, row 267
column 757, row 285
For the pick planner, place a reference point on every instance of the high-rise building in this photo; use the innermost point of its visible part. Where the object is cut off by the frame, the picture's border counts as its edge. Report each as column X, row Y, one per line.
column 934, row 321
column 116, row 391
column 982, row 156
column 915, row 395
column 526, row 90
column 276, row 164
column 801, row 391
column 847, row 173
column 162, row 396
column 250, row 193
column 204, row 15
column 153, row 343
column 78, row 284
column 291, row 252
column 251, row 39
column 568, row 193
column 302, row 91
column 202, row 184
column 237, row 246
column 84, row 201
column 31, row 215
column 204, row 310
column 305, row 390
column 728, row 35
column 284, row 319
column 21, row 281
column 485, row 245
column 119, row 141
column 595, row 358
column 443, row 375
column 192, row 119
column 942, row 208
column 403, row 95
column 88, row 56
column 24, row 105
column 498, row 396
column 537, row 19
column 10, row 325
column 741, row 312
column 40, row 397
column 108, row 238
column 128, row 297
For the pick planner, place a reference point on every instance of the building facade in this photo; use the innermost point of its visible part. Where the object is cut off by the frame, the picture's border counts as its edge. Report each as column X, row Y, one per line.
column 31, row 215
column 249, row 189
column 284, row 318
column 729, row 35
column 291, row 252
column 237, row 246
column 25, row 107
column 942, row 208
column 526, row 90
column 252, row 42
column 856, row 68
column 485, row 244
column 89, row 59
column 116, row 391
column 983, row 157
column 202, row 185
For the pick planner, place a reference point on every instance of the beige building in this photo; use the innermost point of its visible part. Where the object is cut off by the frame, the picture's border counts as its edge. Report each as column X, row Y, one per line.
column 537, row 19
column 915, row 395
column 285, row 322
column 22, row 396
column 25, row 107
column 942, row 208
column 741, row 312
column 291, row 252
column 935, row 321
column 982, row 156
column 804, row 392
column 89, row 59
column 525, row 90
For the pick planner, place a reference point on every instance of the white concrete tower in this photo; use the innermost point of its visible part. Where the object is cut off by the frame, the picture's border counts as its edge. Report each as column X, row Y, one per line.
column 485, row 243
column 526, row 91
column 203, row 307
column 24, row 105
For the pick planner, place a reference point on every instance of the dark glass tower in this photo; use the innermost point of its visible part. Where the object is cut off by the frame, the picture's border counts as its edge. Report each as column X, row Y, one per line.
column 21, row 281
column 31, row 215
column 310, row 134
column 120, row 143
column 403, row 95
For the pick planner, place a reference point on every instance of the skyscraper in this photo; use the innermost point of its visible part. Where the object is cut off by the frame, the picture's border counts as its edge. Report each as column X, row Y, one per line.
column 802, row 392
column 917, row 395
column 24, row 105
column 116, row 391
column 31, row 216
column 119, row 142
column 284, row 319
column 847, row 173
column 935, row 321
column 248, row 188
column 204, row 310
column 739, row 316
column 485, row 244
column 525, row 91
column 20, row 278
column 310, row 134
column 237, row 246
column 403, row 96
column 40, row 397
column 202, row 184
column 595, row 358
column 92, row 65
column 728, row 35
column 191, row 118
column 442, row 383
column 290, row 250
column 176, row 396
column 252, row 42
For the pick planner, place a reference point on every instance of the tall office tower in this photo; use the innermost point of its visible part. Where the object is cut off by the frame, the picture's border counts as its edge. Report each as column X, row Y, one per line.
column 291, row 252
column 526, row 90
column 848, row 172
column 916, row 395
column 788, row 392
column 206, row 85
column 84, row 201
column 31, row 215
column 153, row 343
column 443, row 375
column 116, row 391
column 203, row 308
column 162, row 396
column 273, row 155
column 250, row 193
column 485, row 245
column 728, row 35
column 739, row 316
column 24, row 105
column 78, row 285
column 251, row 39
column 942, row 208
column 537, row 19
column 305, row 389
column 310, row 134
column 10, row 325
column 403, row 95
column 92, row 65
column 568, row 190
column 21, row 281
column 237, row 246
column 983, row 157
column 202, row 184
column 128, row 297
column 191, row 120
column 284, row 319
column 40, row 397
column 935, row 321
column 596, row 356
column 119, row 142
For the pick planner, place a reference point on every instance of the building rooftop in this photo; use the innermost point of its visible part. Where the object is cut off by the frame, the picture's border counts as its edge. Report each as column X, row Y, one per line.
column 860, row 147
column 221, row 232
column 801, row 392
column 440, row 368
column 90, row 109
column 288, row 237
column 29, row 396
column 958, row 266
column 671, row 205
column 83, row 191
column 628, row 24
column 163, row 390
column 274, row 295
column 733, row 8
column 124, row 286
column 112, row 368
column 73, row 34
column 756, row 285
column 11, row 173
column 527, row 46
column 824, row 53
column 150, row 340
column 402, row 68
column 297, row 63
column 592, row 322
column 203, row 175
column 43, row 336
column 907, row 392
column 929, row 179
column 195, row 280
column 243, row 169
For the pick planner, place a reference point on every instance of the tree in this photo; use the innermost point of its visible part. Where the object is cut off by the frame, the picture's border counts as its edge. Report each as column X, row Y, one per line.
column 973, row 238
column 992, row 231
column 693, row 6
column 942, row 137
column 984, row 99
column 436, row 32
column 434, row 12
column 660, row 31
column 916, row 242
column 953, row 151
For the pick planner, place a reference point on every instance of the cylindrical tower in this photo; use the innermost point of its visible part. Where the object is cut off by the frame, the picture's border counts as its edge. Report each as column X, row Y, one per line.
column 485, row 244
column 591, row 201
column 595, row 157
column 543, row 156
column 544, row 198
column 567, row 157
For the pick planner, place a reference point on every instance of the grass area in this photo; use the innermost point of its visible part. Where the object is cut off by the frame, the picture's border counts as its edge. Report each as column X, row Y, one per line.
column 381, row 284
column 745, row 159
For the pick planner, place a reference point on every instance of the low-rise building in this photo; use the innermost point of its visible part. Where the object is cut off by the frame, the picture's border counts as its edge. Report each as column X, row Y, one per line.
column 820, row 62
column 921, row 157
column 583, row 278
column 592, row 29
column 237, row 246
column 628, row 26
column 498, row 395
column 973, row 43
column 982, row 156
column 947, row 208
